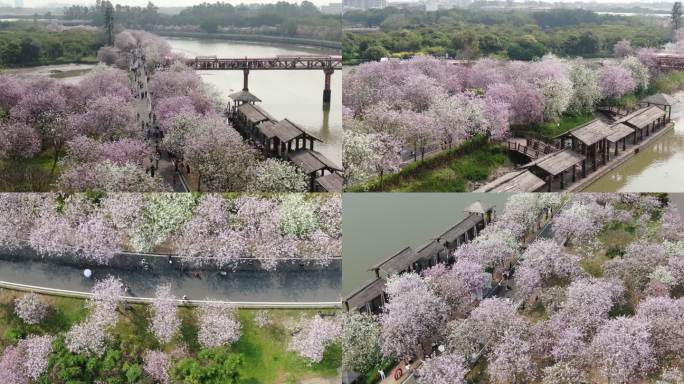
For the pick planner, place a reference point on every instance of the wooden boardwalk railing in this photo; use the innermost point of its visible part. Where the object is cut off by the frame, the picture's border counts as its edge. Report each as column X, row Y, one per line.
column 531, row 148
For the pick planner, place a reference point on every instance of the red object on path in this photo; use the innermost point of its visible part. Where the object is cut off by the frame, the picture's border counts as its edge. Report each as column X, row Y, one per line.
column 398, row 373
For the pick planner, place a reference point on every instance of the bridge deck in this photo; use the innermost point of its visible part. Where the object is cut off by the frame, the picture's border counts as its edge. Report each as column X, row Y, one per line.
column 531, row 148
column 304, row 62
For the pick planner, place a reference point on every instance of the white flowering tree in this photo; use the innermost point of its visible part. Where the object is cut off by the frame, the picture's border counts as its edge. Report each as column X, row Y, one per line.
column 30, row 308
column 218, row 325
column 165, row 323
column 314, row 337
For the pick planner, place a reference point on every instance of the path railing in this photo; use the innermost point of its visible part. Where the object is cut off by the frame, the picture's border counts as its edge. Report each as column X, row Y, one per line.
column 180, row 302
column 531, row 148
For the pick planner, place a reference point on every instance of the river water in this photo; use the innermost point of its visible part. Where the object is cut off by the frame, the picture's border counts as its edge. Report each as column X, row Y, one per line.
column 296, row 95
column 657, row 168
column 377, row 225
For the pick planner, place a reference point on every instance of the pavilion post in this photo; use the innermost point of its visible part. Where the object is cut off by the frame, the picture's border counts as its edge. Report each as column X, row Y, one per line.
column 574, row 172
column 562, row 180
column 584, row 167
column 605, row 151
column 624, row 143
column 245, row 79
column 326, row 89
column 549, row 180
column 616, row 148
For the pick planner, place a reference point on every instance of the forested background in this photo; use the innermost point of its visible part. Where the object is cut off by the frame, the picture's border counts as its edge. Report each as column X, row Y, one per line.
column 514, row 34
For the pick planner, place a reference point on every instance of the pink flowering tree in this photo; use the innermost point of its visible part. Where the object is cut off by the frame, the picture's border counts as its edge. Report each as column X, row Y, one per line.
column 413, row 315
column 108, row 117
column 547, row 260
column 27, row 361
column 417, row 130
column 665, row 317
column 30, row 308
column 528, row 105
column 166, row 109
column 511, row 361
column 622, row 349
column 494, row 247
column 314, row 337
column 218, row 325
column 207, row 236
column 457, row 118
column 18, row 211
column 260, row 231
column 165, row 322
column 494, row 318
column 75, row 231
column 11, row 369
column 640, row 260
column 36, row 352
column 461, row 286
column 623, row 48
column 220, row 157
column 447, row 368
column 156, row 365
column 615, row 81
column 18, row 140
column 671, row 227
column 11, row 93
column 588, row 304
column 103, row 81
column 387, row 151
column 580, row 222
column 111, row 177
column 89, row 337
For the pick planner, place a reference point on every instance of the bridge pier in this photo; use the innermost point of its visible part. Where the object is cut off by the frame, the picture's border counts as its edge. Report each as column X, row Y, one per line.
column 245, row 79
column 326, row 88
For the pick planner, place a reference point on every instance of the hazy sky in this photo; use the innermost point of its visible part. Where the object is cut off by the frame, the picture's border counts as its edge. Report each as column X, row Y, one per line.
column 159, row 3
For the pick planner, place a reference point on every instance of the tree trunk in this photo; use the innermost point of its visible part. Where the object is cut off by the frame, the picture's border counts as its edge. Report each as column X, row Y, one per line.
column 54, row 160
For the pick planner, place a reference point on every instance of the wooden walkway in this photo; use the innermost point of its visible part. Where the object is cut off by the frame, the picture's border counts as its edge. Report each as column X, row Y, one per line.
column 531, row 148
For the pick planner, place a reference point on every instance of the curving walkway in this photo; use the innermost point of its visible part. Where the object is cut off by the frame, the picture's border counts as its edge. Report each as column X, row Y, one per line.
column 294, row 285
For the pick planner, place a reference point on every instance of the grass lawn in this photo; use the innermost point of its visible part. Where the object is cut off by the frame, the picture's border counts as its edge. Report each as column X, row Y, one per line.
column 552, row 129
column 264, row 350
column 29, row 175
column 450, row 171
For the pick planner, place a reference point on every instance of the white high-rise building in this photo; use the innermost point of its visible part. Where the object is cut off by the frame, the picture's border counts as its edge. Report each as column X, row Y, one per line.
column 18, row 3
column 363, row 4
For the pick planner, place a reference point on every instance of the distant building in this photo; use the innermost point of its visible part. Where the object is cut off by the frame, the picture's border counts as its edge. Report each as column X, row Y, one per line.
column 348, row 5
column 18, row 3
column 409, row 5
column 332, row 9
column 433, row 5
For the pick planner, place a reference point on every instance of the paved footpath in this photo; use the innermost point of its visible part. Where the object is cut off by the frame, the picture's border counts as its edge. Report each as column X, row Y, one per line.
column 291, row 283
column 166, row 169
